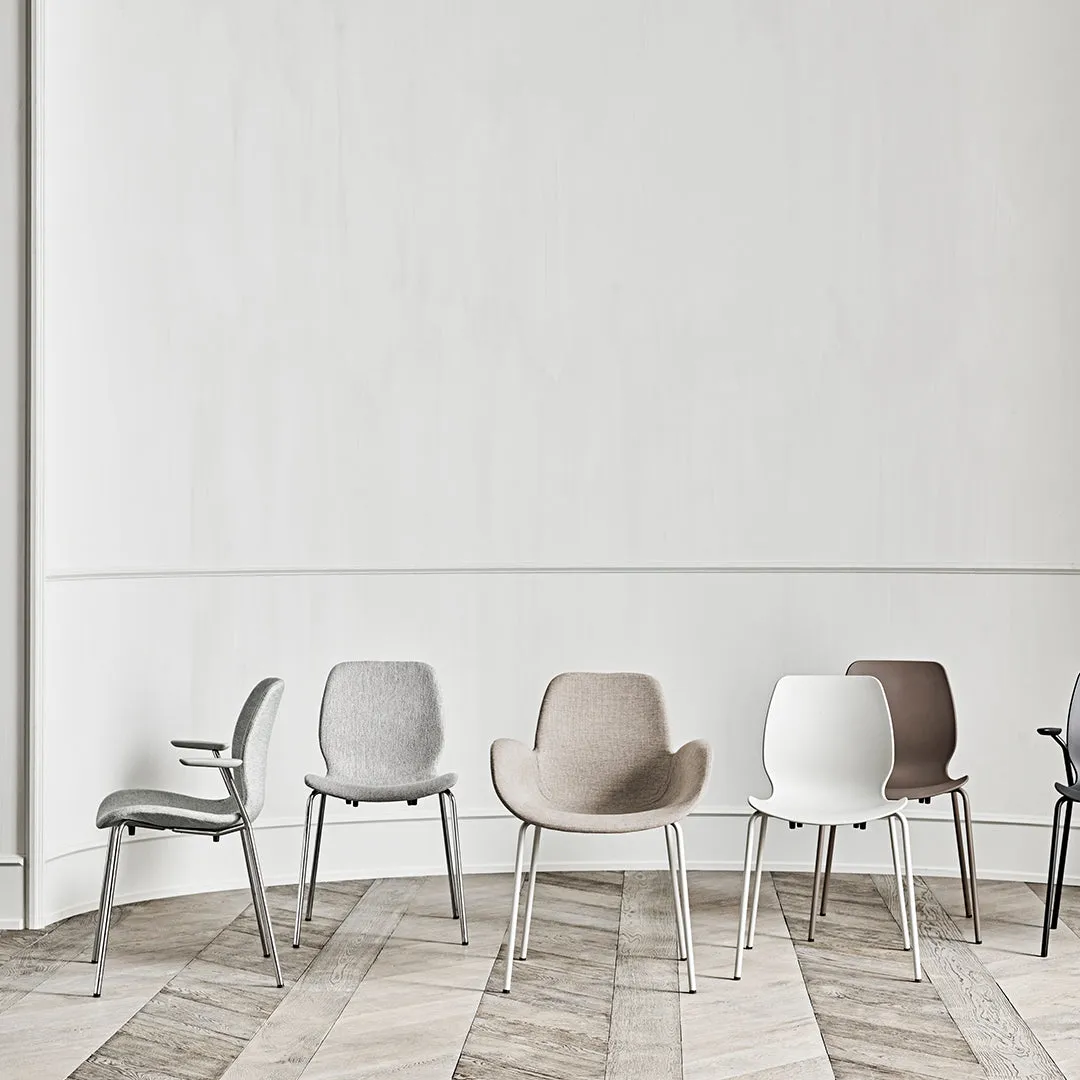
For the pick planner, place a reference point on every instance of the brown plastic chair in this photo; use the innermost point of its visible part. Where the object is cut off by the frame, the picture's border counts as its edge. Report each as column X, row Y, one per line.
column 924, row 736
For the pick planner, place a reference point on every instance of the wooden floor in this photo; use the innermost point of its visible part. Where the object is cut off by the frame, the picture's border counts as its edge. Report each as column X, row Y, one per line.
column 383, row 988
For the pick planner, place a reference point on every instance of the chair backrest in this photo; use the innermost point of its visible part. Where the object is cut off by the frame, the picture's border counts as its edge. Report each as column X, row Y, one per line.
column 829, row 732
column 381, row 721
column 1072, row 729
column 602, row 742
column 251, row 742
column 923, row 718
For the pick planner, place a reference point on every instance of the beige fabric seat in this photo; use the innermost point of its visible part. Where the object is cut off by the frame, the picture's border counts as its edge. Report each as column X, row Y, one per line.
column 601, row 763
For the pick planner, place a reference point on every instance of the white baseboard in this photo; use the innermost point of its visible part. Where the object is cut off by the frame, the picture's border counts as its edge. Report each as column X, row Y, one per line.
column 12, row 893
column 162, row 864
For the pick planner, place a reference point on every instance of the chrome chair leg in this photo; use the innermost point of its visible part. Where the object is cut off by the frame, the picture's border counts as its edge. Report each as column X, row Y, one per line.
column 518, row 860
column 817, row 882
column 745, row 901
column 828, row 869
column 757, row 882
column 973, row 876
column 112, row 863
column 451, row 875
column 263, row 936
column 960, row 854
column 256, row 870
column 680, row 933
column 899, row 881
column 684, row 895
column 458, row 871
column 530, row 892
column 315, row 860
column 301, row 880
column 95, row 956
column 916, row 959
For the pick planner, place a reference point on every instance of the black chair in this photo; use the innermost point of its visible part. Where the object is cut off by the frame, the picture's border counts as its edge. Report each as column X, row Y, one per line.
column 1070, row 793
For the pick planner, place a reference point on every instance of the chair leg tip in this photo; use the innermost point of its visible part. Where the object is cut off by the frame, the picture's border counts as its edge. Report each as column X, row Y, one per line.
column 97, row 995
column 506, row 991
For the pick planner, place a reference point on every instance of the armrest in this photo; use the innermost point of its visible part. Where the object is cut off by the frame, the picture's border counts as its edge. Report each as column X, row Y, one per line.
column 514, row 776
column 199, row 744
column 1070, row 769
column 212, row 762
column 690, row 767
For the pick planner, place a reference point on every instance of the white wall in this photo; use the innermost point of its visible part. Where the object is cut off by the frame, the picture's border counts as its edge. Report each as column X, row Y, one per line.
column 343, row 301
column 12, row 454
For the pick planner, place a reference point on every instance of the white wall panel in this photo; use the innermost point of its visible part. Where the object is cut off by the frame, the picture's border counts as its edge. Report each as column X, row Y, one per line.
column 135, row 663
column 405, row 284
column 511, row 284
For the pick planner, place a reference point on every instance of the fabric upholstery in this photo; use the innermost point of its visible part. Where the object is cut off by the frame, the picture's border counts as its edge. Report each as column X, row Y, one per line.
column 601, row 761
column 381, row 732
column 173, row 810
column 403, row 791
column 166, row 810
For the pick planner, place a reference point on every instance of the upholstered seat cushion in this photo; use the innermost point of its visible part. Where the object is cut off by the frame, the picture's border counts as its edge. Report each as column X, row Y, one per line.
column 166, row 810
column 667, row 794
column 397, row 791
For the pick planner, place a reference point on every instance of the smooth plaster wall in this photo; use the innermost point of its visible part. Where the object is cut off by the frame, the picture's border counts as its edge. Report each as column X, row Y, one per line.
column 472, row 332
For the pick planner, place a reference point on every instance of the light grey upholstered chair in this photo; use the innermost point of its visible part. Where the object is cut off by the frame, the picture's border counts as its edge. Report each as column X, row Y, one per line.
column 381, row 734
column 601, row 763
column 245, row 778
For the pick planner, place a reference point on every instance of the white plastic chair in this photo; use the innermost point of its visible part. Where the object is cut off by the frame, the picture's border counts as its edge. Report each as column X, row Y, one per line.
column 828, row 753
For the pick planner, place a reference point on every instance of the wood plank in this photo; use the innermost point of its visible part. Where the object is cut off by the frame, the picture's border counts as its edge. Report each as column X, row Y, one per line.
column 646, row 1023
column 56, row 1027
column 874, row 1019
column 412, row 1013
column 286, row 1043
column 764, row 1024
column 214, row 1005
column 1012, row 916
column 1001, row 1042
column 556, row 1022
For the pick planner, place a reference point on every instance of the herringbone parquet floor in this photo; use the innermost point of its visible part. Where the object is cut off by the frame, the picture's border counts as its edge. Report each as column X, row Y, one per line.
column 381, row 987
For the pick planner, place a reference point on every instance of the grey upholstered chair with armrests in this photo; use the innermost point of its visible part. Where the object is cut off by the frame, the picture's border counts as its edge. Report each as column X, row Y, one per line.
column 244, row 774
column 601, row 763
column 381, row 734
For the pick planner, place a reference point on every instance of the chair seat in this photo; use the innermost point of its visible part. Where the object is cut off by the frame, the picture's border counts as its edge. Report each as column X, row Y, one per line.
column 398, row 791
column 924, row 791
column 166, row 810
column 517, row 783
column 548, row 816
column 820, row 810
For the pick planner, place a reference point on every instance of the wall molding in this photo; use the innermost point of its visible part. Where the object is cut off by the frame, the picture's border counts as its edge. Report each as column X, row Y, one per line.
column 145, row 573
column 35, row 481
column 296, row 821
column 404, row 845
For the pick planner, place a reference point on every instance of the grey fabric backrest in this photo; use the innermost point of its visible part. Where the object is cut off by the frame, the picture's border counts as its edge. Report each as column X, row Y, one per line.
column 381, row 721
column 1072, row 730
column 602, row 742
column 251, row 742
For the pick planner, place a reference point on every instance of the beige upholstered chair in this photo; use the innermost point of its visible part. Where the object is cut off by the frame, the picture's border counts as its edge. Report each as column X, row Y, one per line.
column 601, row 764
